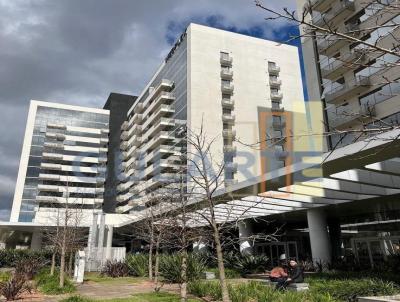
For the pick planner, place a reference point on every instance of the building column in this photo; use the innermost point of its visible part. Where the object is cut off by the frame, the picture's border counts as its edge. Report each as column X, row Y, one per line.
column 109, row 242
column 100, row 242
column 319, row 236
column 36, row 241
column 245, row 233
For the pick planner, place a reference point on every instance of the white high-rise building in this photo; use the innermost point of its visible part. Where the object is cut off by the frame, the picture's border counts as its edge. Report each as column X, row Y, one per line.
column 358, row 85
column 240, row 88
column 63, row 160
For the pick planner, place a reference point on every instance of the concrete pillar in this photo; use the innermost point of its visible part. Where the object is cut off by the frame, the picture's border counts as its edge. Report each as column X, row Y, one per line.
column 245, row 240
column 92, row 238
column 36, row 241
column 100, row 243
column 200, row 246
column 319, row 237
column 109, row 242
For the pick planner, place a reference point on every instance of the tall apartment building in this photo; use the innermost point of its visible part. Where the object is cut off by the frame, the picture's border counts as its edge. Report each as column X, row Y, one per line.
column 118, row 105
column 358, row 84
column 64, row 157
column 231, row 84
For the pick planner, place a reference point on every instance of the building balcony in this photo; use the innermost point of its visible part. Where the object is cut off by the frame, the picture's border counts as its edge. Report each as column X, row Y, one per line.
column 230, row 182
column 346, row 118
column 124, row 135
column 226, row 74
column 277, row 141
column 275, row 82
column 227, row 88
column 54, row 145
column 56, row 126
column 51, row 166
column 105, row 131
column 52, row 156
column 351, row 61
column 57, row 136
column 339, row 11
column 281, row 155
column 273, row 69
column 138, row 108
column 124, row 145
column 125, row 125
column 228, row 103
column 228, row 133
column 225, row 59
column 136, row 118
column 228, row 118
column 277, row 109
column 330, row 45
column 102, row 159
column 100, row 180
column 49, row 188
column 278, row 125
column 321, row 5
column 276, row 96
column 232, row 167
column 347, row 90
column 229, row 149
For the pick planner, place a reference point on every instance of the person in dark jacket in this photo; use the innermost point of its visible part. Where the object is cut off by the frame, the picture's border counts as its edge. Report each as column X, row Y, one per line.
column 296, row 274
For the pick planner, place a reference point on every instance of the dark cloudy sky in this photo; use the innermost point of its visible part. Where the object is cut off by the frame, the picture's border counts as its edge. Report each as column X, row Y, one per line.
column 78, row 51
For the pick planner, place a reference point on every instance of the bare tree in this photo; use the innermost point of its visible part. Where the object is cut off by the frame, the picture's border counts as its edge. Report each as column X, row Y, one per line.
column 366, row 36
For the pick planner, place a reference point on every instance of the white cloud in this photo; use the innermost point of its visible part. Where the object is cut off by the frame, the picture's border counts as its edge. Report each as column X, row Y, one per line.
column 79, row 51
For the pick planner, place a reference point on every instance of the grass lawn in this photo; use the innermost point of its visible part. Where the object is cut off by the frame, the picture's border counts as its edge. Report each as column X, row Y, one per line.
column 96, row 277
column 148, row 297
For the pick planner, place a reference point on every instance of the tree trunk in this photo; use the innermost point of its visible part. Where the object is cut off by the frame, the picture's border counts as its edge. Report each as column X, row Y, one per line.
column 62, row 266
column 53, row 263
column 221, row 267
column 184, row 277
column 151, row 260
column 70, row 263
column 156, row 266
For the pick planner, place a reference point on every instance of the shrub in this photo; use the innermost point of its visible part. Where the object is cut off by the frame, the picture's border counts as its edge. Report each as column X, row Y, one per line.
column 350, row 289
column 115, row 269
column 248, row 264
column 253, row 291
column 10, row 257
column 170, row 267
column 138, row 265
column 14, row 287
column 29, row 266
column 50, row 284
column 203, row 289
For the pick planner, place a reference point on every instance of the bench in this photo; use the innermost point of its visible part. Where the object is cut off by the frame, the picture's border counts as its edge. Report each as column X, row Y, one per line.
column 296, row 287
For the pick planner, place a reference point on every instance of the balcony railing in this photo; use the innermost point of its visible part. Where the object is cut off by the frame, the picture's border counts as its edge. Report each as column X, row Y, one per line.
column 225, row 59
column 276, row 96
column 227, row 87
column 338, row 11
column 228, row 103
column 229, row 149
column 229, row 133
column 348, row 89
column 345, row 117
column 273, row 69
column 321, row 5
column 281, row 155
column 231, row 166
column 226, row 74
column 275, row 82
column 229, row 118
column 278, row 125
column 343, row 64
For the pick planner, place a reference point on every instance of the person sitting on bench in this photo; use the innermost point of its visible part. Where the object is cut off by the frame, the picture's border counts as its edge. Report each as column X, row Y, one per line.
column 279, row 275
column 296, row 274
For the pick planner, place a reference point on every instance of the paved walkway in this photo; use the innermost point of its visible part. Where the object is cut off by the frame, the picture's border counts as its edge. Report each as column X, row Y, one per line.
column 100, row 290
